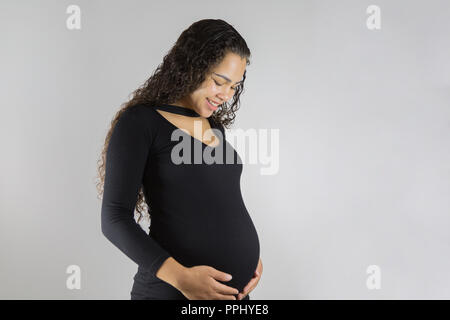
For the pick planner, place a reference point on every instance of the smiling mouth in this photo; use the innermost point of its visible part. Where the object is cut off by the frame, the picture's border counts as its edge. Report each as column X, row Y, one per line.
column 213, row 103
column 211, row 106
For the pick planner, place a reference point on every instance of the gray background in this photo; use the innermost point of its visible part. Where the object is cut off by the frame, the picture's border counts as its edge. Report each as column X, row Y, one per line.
column 364, row 123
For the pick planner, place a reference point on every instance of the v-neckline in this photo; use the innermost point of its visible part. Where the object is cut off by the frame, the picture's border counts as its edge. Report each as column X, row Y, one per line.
column 180, row 110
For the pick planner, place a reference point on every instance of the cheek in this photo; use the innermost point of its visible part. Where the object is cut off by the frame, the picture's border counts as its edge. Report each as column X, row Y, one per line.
column 209, row 91
column 212, row 91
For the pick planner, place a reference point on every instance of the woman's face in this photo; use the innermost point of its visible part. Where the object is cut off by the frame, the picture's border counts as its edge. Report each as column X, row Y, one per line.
column 219, row 86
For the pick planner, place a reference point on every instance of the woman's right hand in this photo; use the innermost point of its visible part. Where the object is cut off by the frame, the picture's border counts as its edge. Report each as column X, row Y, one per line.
column 200, row 283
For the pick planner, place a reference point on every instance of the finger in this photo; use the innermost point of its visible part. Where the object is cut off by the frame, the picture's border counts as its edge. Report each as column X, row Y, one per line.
column 248, row 289
column 219, row 275
column 225, row 297
column 223, row 288
column 249, row 285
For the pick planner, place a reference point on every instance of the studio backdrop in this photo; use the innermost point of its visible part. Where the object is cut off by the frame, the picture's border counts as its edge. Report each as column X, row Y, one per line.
column 350, row 102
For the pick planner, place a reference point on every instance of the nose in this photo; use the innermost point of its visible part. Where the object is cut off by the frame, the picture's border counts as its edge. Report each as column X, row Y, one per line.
column 224, row 97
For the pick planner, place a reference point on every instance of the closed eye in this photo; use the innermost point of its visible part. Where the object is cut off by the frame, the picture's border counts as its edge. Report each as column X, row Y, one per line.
column 222, row 85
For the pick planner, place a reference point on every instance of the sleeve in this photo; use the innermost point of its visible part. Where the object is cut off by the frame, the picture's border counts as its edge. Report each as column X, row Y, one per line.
column 126, row 157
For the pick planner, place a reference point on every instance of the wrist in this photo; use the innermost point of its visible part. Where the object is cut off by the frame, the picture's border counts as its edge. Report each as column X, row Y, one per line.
column 172, row 272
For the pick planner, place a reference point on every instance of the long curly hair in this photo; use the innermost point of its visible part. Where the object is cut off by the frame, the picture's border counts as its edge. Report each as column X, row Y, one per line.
column 198, row 50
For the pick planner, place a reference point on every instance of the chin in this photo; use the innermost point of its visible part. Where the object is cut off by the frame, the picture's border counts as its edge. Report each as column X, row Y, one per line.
column 200, row 112
column 204, row 112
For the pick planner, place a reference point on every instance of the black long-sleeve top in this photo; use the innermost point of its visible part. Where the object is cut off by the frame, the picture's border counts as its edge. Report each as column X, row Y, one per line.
column 198, row 214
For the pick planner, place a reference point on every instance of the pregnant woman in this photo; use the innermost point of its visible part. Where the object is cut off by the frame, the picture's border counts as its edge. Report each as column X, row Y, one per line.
column 200, row 232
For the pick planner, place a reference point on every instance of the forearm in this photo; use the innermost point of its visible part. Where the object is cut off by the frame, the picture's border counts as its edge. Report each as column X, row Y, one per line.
column 172, row 272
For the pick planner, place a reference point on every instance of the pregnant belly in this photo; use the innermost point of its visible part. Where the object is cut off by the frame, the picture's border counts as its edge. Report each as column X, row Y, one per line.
column 224, row 241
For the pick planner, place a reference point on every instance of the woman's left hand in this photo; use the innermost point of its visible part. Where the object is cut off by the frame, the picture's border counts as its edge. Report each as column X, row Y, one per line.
column 253, row 282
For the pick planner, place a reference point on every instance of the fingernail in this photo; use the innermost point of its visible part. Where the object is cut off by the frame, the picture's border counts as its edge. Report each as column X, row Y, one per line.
column 229, row 277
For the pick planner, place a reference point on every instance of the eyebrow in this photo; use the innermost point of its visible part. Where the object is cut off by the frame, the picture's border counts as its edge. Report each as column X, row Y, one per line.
column 226, row 78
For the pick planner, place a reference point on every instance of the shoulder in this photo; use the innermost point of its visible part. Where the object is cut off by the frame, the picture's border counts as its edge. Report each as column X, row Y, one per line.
column 140, row 111
column 139, row 118
column 142, row 115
